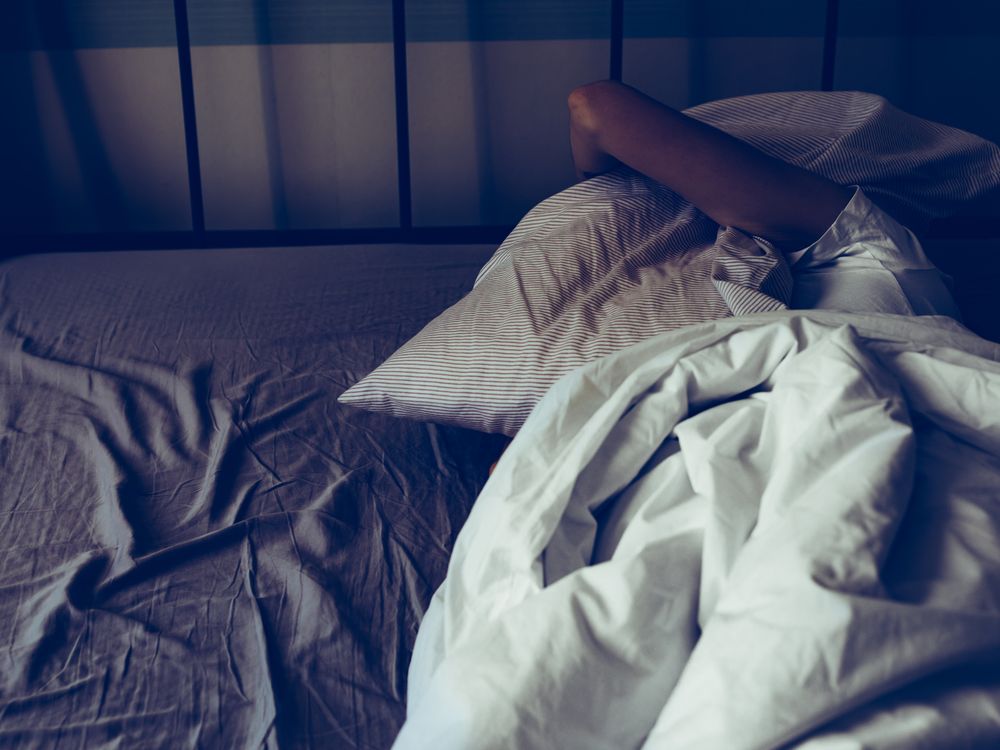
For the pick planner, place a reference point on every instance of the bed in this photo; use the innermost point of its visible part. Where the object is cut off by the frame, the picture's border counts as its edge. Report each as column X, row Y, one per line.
column 202, row 548
column 204, row 542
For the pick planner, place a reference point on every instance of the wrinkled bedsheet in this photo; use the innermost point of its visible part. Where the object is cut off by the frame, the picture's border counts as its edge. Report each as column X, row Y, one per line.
column 198, row 546
column 775, row 531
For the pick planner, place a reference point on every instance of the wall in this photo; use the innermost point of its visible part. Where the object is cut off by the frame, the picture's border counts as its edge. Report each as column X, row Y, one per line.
column 296, row 112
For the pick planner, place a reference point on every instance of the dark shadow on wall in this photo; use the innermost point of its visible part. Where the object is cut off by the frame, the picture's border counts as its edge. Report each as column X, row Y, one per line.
column 490, row 203
column 103, row 187
column 270, row 124
column 28, row 202
column 953, row 80
column 699, row 75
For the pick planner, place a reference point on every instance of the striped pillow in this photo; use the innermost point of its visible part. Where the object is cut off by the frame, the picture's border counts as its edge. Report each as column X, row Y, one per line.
column 592, row 270
column 619, row 258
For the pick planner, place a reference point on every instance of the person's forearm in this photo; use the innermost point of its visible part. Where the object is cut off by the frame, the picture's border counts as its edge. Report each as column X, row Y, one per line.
column 588, row 157
column 729, row 180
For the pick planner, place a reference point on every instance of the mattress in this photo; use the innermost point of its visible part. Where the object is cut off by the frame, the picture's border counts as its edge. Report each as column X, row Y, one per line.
column 198, row 546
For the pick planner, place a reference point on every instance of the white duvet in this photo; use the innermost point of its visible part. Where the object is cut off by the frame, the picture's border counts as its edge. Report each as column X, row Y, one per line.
column 779, row 530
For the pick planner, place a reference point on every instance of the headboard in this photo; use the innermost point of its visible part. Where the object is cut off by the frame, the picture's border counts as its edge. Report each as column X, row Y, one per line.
column 405, row 229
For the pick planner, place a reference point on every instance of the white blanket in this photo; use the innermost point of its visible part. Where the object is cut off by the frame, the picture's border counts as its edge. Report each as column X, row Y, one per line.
column 783, row 528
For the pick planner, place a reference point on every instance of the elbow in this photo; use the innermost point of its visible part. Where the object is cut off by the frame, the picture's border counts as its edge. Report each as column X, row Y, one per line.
column 587, row 102
column 581, row 98
column 581, row 110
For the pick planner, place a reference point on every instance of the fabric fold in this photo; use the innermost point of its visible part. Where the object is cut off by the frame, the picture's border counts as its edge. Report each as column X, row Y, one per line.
column 699, row 542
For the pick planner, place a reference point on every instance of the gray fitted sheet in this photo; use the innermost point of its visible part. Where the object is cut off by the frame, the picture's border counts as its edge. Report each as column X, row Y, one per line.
column 198, row 546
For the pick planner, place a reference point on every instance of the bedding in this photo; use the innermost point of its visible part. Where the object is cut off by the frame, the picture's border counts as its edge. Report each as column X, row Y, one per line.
column 201, row 546
column 198, row 546
column 616, row 259
column 594, row 269
column 781, row 530
column 868, row 262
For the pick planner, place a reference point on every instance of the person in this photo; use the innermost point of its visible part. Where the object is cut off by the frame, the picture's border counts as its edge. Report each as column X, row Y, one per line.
column 845, row 253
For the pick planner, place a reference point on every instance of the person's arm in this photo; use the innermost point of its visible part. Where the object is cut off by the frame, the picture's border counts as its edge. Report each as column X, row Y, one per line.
column 729, row 180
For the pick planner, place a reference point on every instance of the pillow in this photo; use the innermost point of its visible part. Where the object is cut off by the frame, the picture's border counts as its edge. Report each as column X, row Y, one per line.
column 592, row 270
column 913, row 169
column 619, row 258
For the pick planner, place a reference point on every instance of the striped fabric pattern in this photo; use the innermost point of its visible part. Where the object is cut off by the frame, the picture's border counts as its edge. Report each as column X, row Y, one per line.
column 592, row 270
column 913, row 169
column 619, row 258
